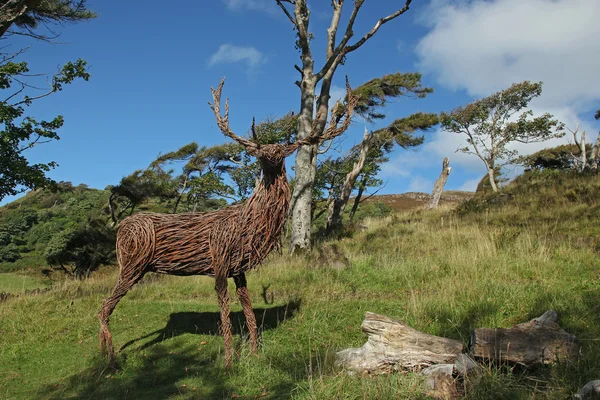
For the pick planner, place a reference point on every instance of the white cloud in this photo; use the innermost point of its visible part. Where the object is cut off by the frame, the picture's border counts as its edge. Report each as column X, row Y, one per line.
column 252, row 5
column 470, row 185
column 485, row 46
column 420, row 184
column 229, row 53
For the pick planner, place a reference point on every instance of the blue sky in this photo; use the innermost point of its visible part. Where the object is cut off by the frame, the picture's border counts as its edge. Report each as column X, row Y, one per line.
column 152, row 67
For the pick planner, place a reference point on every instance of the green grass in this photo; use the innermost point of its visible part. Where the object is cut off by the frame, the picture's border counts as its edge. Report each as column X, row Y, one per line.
column 442, row 273
column 15, row 283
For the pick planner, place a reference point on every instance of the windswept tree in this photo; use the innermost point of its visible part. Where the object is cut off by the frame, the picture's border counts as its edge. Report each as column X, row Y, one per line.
column 18, row 132
column 364, row 159
column 336, row 52
column 492, row 124
column 136, row 188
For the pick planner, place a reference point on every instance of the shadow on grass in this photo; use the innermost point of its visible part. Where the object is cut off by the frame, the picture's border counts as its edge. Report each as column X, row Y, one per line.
column 161, row 371
column 207, row 323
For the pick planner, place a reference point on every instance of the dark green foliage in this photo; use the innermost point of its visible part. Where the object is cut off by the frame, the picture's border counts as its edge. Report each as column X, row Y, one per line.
column 20, row 132
column 29, row 225
column 81, row 250
column 28, row 15
column 559, row 157
column 375, row 93
column 137, row 188
column 333, row 173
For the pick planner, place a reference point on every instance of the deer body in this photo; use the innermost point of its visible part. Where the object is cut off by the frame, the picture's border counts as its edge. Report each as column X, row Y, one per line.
column 224, row 243
column 188, row 243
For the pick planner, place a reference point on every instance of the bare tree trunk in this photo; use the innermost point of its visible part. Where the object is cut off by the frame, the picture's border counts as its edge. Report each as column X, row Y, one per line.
column 594, row 155
column 336, row 210
column 336, row 53
column 439, row 185
column 582, row 160
column 180, row 195
column 492, row 179
column 361, row 189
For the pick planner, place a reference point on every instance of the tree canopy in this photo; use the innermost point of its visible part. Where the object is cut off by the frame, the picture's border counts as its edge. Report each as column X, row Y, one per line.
column 492, row 123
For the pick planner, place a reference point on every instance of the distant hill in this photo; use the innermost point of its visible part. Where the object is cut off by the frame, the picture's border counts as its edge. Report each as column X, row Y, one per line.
column 416, row 200
column 28, row 224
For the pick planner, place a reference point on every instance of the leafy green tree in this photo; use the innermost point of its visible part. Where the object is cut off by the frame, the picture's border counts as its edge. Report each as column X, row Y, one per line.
column 489, row 126
column 138, row 187
column 81, row 250
column 19, row 132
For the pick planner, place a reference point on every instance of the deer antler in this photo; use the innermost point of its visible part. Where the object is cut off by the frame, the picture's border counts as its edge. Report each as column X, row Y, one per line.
column 223, row 121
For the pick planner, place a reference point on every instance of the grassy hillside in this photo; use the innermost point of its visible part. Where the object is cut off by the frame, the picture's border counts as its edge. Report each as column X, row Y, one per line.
column 29, row 223
column 499, row 260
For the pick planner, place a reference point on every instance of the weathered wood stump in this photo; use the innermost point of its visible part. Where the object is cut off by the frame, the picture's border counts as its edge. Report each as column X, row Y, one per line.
column 439, row 382
column 539, row 341
column 589, row 391
column 450, row 381
column 393, row 346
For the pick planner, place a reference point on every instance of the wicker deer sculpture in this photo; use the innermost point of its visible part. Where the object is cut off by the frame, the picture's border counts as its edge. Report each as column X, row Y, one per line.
column 224, row 243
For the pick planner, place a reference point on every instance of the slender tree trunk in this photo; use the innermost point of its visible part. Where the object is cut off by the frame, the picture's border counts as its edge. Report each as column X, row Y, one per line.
column 492, row 179
column 594, row 155
column 439, row 185
column 581, row 161
column 180, row 195
column 361, row 189
column 337, row 207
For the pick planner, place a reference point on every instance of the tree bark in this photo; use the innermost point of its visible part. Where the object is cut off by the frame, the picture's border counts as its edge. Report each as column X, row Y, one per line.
column 439, row 185
column 180, row 195
column 594, row 155
column 306, row 157
column 361, row 189
column 336, row 210
column 393, row 346
column 492, row 179
column 539, row 341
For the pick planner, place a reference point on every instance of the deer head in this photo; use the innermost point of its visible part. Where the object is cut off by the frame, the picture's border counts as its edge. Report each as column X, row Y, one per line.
column 273, row 155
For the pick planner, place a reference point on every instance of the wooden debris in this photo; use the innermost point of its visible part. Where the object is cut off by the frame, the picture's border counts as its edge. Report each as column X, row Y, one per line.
column 539, row 341
column 393, row 346
column 589, row 391
column 439, row 382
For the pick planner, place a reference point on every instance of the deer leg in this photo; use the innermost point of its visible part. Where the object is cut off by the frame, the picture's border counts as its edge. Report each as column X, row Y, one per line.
column 221, row 289
column 124, row 283
column 244, row 296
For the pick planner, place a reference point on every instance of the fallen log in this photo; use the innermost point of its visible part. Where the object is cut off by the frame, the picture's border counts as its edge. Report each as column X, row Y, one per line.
column 392, row 346
column 539, row 341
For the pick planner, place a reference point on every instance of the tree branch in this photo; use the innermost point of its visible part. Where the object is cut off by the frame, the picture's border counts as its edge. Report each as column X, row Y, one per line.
column 287, row 13
column 332, row 30
column 378, row 25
